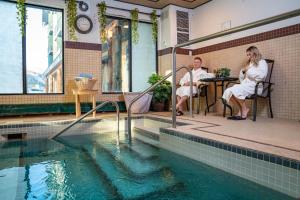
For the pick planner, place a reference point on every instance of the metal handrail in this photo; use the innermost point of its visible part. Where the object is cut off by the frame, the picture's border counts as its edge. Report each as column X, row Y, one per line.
column 152, row 87
column 89, row 112
column 219, row 34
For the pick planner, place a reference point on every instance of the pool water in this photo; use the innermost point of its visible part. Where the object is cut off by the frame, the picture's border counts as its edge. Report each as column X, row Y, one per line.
column 97, row 167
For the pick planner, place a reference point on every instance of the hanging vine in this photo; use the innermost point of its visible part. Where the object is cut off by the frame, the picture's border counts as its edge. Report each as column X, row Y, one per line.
column 134, row 26
column 21, row 15
column 154, row 25
column 72, row 13
column 102, row 20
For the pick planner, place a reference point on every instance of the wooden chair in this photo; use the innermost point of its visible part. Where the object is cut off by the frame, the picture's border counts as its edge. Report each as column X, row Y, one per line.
column 202, row 91
column 266, row 93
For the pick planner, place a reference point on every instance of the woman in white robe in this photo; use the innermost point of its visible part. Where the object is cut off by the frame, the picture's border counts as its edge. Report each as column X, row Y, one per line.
column 256, row 70
column 184, row 91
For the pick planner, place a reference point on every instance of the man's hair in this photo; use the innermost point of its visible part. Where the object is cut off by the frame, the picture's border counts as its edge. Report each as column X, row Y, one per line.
column 198, row 58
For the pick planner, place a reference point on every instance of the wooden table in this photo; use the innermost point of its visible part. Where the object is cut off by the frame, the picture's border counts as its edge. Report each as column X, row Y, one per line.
column 77, row 93
column 222, row 84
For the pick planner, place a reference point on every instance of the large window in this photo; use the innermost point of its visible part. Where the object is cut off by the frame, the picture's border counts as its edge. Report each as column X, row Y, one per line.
column 33, row 63
column 11, row 69
column 116, row 56
column 143, row 58
column 126, row 66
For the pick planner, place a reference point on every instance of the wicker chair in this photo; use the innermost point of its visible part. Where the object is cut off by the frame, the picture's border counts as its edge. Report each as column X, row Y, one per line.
column 266, row 93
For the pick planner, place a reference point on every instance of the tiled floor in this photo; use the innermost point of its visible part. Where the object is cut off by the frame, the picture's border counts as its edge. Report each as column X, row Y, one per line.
column 276, row 136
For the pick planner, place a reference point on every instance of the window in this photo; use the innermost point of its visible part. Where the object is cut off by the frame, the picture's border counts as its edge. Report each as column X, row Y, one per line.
column 126, row 66
column 116, row 56
column 143, row 58
column 11, row 69
column 37, row 66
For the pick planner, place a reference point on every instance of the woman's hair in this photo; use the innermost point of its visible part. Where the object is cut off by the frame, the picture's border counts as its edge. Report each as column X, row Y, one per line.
column 256, row 55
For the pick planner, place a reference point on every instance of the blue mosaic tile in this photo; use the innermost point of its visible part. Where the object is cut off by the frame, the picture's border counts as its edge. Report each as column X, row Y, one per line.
column 240, row 150
column 279, row 161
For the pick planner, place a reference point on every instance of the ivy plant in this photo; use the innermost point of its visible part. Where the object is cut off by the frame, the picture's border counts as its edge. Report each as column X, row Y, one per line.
column 71, row 14
column 21, row 15
column 134, row 25
column 102, row 20
column 154, row 25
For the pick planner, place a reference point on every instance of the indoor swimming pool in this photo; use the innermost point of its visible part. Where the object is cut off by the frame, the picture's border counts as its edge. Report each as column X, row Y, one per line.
column 97, row 166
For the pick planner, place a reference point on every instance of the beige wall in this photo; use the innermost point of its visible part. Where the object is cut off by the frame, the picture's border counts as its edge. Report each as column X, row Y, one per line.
column 165, row 64
column 76, row 61
column 286, row 74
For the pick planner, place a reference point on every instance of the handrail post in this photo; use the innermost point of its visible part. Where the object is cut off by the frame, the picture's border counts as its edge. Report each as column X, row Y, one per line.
column 151, row 88
column 174, row 70
column 174, row 87
column 191, row 93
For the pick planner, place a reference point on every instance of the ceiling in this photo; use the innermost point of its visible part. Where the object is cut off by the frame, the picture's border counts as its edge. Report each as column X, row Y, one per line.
column 159, row 4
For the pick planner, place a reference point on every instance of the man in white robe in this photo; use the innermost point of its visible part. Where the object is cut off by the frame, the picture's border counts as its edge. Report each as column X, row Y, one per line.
column 183, row 92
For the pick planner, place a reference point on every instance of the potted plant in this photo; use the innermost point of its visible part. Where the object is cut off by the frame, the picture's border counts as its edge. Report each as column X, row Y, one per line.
column 161, row 93
column 222, row 72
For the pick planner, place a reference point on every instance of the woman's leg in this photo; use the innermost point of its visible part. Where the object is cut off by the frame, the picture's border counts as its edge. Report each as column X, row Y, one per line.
column 243, row 112
column 238, row 103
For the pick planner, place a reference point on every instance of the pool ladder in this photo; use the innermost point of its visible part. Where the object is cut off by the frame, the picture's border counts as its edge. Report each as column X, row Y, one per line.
column 88, row 113
column 155, row 85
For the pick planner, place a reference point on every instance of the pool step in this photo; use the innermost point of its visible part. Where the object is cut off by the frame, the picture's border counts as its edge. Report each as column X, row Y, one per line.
column 136, row 165
column 147, row 135
column 128, row 186
column 142, row 149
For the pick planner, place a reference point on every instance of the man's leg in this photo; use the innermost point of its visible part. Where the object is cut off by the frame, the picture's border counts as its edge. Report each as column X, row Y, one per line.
column 181, row 102
column 177, row 105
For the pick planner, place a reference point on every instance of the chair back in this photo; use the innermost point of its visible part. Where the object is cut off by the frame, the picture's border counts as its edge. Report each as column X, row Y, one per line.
column 205, row 69
column 270, row 70
column 268, row 77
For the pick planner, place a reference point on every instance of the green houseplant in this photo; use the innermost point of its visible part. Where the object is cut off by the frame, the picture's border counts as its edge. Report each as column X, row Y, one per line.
column 154, row 25
column 134, row 25
column 222, row 72
column 71, row 15
column 102, row 20
column 21, row 15
column 161, row 93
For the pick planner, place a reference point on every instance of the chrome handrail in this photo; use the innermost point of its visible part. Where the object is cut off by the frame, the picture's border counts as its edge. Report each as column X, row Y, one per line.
column 219, row 34
column 152, row 87
column 89, row 112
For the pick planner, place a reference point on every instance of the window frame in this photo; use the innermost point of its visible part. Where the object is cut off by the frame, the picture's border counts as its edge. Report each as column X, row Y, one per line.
column 24, row 64
column 130, row 57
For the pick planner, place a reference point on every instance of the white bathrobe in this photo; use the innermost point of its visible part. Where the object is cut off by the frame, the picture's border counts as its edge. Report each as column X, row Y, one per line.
column 248, row 82
column 197, row 75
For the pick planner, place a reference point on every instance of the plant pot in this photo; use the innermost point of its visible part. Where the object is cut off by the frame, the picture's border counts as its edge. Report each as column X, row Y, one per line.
column 142, row 105
column 158, row 106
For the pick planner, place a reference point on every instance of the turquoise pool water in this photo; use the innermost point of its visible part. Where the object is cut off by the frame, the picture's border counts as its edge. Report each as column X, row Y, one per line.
column 96, row 167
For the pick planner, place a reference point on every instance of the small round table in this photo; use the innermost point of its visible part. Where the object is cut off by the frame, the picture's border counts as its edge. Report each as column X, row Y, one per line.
column 77, row 93
column 222, row 84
